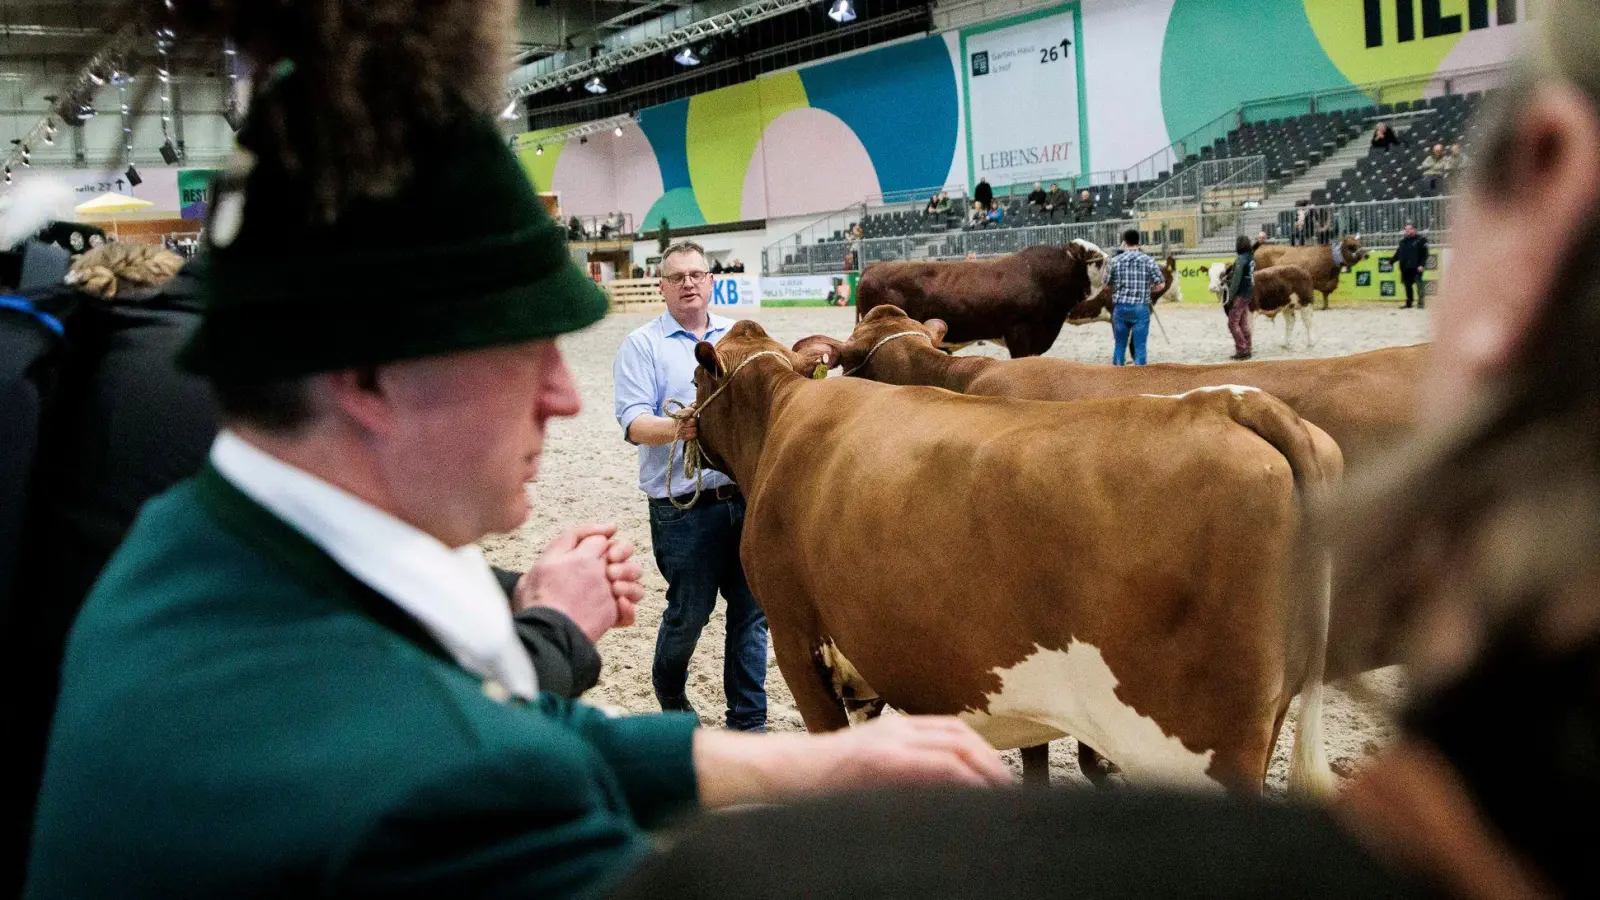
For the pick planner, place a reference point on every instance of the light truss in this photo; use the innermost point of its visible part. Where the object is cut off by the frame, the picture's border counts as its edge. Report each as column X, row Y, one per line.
column 573, row 133
column 526, row 84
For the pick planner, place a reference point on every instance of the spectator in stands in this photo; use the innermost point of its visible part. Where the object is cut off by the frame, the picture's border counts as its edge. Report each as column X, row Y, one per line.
column 1262, row 239
column 716, row 267
column 575, row 229
column 1085, row 207
column 932, row 209
column 1135, row 280
column 738, row 267
column 1057, row 199
column 1384, row 137
column 944, row 206
column 997, row 213
column 638, row 271
column 979, row 217
column 984, row 193
column 1411, row 258
column 1302, row 223
column 1434, row 169
column 1037, row 198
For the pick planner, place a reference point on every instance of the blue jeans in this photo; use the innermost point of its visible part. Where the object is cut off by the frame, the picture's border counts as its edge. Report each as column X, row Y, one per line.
column 698, row 552
column 1126, row 318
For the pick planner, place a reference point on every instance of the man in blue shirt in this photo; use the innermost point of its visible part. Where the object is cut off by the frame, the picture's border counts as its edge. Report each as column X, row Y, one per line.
column 697, row 549
column 1135, row 279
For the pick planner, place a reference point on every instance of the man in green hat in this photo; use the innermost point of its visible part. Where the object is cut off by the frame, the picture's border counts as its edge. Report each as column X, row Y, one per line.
column 299, row 676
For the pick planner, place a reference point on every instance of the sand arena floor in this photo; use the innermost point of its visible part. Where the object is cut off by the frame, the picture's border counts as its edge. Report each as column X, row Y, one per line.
column 589, row 473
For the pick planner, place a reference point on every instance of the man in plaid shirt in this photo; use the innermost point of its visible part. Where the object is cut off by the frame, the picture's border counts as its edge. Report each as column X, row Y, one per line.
column 1135, row 279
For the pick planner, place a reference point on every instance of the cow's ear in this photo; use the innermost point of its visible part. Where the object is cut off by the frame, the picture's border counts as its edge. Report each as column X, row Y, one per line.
column 818, row 349
column 706, row 355
column 937, row 329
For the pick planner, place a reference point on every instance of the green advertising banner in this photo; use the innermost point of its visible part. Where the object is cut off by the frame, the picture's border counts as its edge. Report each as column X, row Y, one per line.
column 1374, row 279
column 809, row 290
column 194, row 192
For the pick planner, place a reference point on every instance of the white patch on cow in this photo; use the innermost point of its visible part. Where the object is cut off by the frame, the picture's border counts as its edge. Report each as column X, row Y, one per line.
column 847, row 682
column 1073, row 691
column 1238, row 390
column 1216, row 278
column 1097, row 270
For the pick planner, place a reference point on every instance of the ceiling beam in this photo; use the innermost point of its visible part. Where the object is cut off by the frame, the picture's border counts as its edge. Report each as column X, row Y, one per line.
column 525, row 83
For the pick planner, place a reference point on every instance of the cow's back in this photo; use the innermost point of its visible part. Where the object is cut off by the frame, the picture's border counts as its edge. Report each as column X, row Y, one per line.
column 1365, row 402
column 977, row 300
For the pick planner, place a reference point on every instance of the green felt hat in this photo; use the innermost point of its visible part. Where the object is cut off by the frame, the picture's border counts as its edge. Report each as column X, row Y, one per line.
column 462, row 256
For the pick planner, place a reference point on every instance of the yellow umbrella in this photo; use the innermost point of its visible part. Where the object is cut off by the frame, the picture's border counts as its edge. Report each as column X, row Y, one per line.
column 109, row 204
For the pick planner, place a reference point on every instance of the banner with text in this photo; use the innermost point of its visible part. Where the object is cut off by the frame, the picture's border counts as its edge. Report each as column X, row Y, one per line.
column 809, row 290
column 1023, row 104
column 736, row 290
column 194, row 192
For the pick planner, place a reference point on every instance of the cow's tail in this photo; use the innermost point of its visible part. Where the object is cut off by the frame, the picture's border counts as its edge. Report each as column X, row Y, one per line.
column 1317, row 464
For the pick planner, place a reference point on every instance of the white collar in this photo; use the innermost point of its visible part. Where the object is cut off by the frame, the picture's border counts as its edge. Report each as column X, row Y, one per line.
column 452, row 593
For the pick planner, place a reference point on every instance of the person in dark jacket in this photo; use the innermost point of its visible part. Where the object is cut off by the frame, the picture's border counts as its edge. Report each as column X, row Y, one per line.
column 1241, row 290
column 1085, row 210
column 983, row 194
column 1037, row 198
column 122, row 425
column 1384, row 137
column 1411, row 259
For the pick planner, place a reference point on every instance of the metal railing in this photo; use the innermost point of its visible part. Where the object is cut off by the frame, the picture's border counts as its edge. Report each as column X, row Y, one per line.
column 1194, row 232
column 613, row 227
column 1202, row 182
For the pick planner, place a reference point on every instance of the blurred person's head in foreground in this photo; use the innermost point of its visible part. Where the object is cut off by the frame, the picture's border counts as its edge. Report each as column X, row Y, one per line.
column 1479, row 550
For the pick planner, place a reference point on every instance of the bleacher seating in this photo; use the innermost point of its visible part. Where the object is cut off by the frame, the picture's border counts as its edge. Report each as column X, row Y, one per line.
column 1290, row 146
column 1396, row 173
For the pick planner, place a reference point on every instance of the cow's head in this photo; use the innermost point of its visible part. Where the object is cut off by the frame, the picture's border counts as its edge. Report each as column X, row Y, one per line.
column 1092, row 258
column 733, row 378
column 1219, row 274
column 880, row 348
column 1351, row 251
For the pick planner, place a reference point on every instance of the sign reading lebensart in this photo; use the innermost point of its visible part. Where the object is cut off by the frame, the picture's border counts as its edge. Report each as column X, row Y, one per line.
column 1023, row 116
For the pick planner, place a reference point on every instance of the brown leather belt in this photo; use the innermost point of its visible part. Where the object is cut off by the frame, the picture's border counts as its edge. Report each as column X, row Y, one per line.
column 716, row 495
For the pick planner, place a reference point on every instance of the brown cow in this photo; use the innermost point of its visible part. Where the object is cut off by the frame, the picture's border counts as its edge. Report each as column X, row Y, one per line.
column 1098, row 307
column 1282, row 289
column 1021, row 299
column 1324, row 262
column 1364, row 402
column 1037, row 568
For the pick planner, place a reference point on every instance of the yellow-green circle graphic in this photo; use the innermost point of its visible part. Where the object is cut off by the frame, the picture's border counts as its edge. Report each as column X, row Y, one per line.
column 1219, row 53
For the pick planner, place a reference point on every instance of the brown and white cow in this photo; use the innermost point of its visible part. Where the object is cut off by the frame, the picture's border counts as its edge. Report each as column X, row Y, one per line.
column 1021, row 300
column 1365, row 402
column 1109, row 569
column 1282, row 289
column 1323, row 262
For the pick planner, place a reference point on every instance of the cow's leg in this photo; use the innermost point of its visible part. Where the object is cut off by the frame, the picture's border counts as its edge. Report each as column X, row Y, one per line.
column 1094, row 766
column 1036, row 765
column 1019, row 342
column 800, row 659
column 1288, row 326
column 860, row 712
column 1305, row 316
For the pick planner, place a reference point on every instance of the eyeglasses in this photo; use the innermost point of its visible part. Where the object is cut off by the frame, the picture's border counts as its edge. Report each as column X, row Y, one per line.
column 678, row 278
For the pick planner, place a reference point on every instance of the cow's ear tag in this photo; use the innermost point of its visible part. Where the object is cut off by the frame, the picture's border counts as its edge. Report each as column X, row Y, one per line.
column 821, row 371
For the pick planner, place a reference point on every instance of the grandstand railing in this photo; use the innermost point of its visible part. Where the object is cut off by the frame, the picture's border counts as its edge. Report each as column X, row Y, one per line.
column 1375, row 93
column 1200, row 183
column 1380, row 223
column 617, row 226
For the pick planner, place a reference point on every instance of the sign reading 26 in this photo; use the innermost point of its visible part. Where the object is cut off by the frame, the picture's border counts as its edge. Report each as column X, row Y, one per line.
column 1053, row 52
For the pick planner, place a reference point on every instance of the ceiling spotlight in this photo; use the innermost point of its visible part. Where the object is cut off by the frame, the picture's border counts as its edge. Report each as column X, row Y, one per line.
column 49, row 137
column 96, row 78
column 539, row 150
column 85, row 111
column 686, row 57
column 26, row 162
column 510, row 112
column 595, row 85
column 618, row 132
column 842, row 11
column 8, row 174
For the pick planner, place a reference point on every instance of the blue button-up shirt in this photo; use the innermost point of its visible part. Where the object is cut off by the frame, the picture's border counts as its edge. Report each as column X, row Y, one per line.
column 656, row 364
column 1132, row 274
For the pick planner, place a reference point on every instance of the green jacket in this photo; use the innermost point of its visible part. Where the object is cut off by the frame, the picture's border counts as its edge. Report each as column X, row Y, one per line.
column 242, row 718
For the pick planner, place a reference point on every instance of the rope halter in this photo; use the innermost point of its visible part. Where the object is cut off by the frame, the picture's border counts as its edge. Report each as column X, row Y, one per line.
column 691, row 447
column 879, row 345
